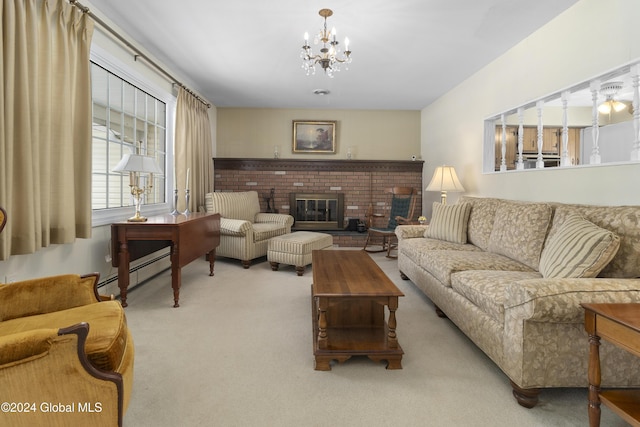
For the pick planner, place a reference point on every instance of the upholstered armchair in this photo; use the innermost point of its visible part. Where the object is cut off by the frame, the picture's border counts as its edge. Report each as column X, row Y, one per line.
column 244, row 230
column 66, row 354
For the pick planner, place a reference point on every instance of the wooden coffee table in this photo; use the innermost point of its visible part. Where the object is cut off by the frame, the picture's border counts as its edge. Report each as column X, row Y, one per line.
column 348, row 295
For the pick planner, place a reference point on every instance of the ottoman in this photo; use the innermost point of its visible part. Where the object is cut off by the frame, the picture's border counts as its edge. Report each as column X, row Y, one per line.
column 295, row 249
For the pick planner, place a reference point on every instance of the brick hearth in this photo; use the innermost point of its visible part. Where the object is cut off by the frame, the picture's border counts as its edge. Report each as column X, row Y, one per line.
column 361, row 181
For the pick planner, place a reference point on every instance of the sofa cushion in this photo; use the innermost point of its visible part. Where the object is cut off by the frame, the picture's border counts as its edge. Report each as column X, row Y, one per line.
column 624, row 221
column 519, row 231
column 107, row 339
column 483, row 212
column 578, row 249
column 449, row 222
column 442, row 264
column 486, row 289
column 415, row 248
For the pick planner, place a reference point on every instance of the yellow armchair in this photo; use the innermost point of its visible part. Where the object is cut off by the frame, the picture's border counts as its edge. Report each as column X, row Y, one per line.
column 66, row 356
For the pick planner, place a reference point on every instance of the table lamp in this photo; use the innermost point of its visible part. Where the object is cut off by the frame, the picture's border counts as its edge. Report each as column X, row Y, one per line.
column 136, row 165
column 445, row 179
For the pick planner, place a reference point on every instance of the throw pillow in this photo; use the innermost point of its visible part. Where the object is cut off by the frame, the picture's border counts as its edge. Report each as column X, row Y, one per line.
column 449, row 222
column 578, row 249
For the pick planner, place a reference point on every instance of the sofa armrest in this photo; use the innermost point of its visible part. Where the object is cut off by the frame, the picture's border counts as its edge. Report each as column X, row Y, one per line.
column 234, row 227
column 558, row 300
column 284, row 219
column 50, row 366
column 410, row 231
column 47, row 294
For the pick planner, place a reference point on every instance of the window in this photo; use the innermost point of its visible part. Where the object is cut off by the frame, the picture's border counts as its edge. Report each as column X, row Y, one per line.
column 129, row 112
column 124, row 117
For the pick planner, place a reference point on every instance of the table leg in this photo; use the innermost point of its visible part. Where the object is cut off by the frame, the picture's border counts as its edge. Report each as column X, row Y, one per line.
column 212, row 259
column 392, row 337
column 322, row 323
column 123, row 272
column 594, row 381
column 175, row 275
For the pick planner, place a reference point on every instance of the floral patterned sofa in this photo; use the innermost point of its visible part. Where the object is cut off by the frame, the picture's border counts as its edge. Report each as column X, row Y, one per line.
column 511, row 276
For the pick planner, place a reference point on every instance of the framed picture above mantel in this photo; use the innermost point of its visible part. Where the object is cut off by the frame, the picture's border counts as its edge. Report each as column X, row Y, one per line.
column 314, row 136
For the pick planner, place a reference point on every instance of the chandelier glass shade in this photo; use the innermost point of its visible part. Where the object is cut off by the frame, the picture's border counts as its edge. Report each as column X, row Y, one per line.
column 330, row 57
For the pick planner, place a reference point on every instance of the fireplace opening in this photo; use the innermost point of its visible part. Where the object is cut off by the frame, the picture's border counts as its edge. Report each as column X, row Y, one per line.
column 317, row 211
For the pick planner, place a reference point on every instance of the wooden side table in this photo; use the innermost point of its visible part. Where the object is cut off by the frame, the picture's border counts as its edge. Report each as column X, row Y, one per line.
column 189, row 236
column 620, row 325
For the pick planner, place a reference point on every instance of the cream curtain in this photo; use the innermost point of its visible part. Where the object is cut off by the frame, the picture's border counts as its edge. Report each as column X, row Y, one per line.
column 45, row 124
column 193, row 150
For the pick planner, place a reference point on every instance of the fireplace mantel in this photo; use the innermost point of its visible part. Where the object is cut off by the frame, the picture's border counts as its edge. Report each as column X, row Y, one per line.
column 318, row 165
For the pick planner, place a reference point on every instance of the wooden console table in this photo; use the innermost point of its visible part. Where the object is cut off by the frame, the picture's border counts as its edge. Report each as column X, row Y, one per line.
column 349, row 293
column 188, row 236
column 620, row 325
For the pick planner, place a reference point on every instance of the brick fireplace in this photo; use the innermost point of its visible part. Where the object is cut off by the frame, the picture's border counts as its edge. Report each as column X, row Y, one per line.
column 359, row 183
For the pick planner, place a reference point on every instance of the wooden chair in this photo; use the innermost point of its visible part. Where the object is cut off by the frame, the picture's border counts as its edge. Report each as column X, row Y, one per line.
column 403, row 204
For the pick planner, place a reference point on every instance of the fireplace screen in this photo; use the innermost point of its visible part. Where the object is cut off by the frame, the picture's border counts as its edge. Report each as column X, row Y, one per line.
column 317, row 211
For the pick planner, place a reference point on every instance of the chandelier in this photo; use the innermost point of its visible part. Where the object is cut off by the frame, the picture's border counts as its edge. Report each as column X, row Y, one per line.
column 610, row 90
column 330, row 57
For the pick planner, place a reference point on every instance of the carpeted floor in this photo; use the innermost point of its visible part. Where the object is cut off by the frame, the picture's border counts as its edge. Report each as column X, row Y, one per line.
column 238, row 352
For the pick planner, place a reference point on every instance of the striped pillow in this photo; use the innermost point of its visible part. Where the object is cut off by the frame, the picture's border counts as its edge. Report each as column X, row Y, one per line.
column 449, row 222
column 579, row 249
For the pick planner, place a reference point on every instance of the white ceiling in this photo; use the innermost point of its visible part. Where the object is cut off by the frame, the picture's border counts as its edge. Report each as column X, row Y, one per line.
column 406, row 53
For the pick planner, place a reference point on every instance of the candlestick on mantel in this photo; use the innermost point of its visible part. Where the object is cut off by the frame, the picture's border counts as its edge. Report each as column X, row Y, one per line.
column 188, row 172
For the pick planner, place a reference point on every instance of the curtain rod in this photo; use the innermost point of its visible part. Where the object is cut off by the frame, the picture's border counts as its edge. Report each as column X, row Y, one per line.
column 138, row 52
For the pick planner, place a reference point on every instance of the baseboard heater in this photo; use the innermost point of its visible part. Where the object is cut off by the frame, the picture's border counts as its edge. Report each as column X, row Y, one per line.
column 134, row 269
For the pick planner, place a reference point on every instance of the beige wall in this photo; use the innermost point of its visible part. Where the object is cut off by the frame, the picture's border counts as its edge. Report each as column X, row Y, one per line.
column 372, row 134
column 590, row 38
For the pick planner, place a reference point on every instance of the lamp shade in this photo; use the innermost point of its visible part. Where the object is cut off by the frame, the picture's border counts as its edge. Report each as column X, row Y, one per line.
column 445, row 179
column 137, row 163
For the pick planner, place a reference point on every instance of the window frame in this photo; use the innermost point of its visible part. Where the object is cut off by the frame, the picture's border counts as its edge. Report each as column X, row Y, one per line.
column 107, row 61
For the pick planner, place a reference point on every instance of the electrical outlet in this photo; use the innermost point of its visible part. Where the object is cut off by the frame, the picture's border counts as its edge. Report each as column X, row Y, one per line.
column 107, row 258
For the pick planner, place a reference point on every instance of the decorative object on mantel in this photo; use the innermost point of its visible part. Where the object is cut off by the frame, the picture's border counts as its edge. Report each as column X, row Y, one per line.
column 314, row 136
column 270, row 199
column 330, row 57
column 137, row 164
column 445, row 179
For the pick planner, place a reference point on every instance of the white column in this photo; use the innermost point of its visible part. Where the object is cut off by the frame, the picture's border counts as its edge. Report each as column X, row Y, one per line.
column 503, row 162
column 564, row 158
column 595, row 152
column 540, row 162
column 520, row 163
column 635, row 78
